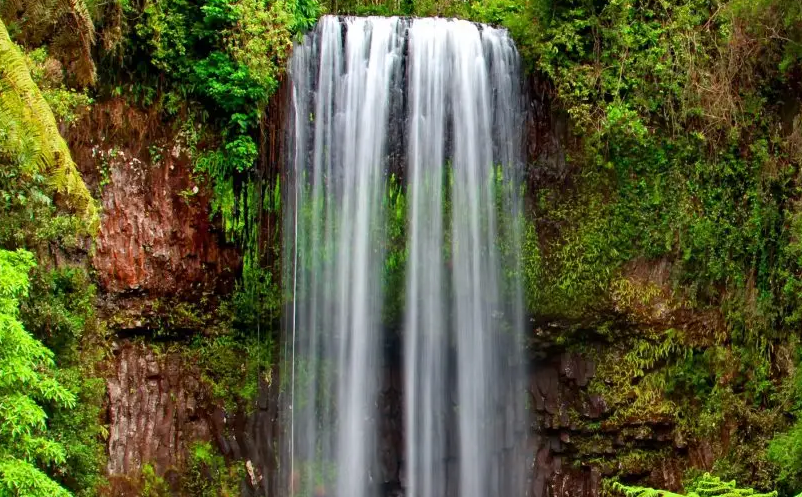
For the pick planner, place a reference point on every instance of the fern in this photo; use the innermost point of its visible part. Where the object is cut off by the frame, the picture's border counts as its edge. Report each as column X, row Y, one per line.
column 705, row 486
column 22, row 104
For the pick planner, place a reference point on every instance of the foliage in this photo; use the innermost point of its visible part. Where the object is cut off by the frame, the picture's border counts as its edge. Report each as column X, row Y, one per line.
column 233, row 367
column 651, row 379
column 209, row 476
column 686, row 158
column 66, row 103
column 632, row 382
column 396, row 252
column 531, row 264
column 65, row 25
column 27, row 385
column 81, row 431
column 30, row 140
column 683, row 157
column 60, row 312
column 47, row 205
column 785, row 451
column 152, row 485
column 257, row 298
column 706, row 485
column 785, row 448
column 226, row 58
column 581, row 262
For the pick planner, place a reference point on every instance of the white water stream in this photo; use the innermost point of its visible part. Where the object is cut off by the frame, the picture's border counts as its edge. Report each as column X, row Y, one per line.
column 453, row 87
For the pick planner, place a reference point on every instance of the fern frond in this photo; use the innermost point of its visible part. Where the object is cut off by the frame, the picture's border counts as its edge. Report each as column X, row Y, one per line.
column 706, row 485
column 635, row 491
column 22, row 102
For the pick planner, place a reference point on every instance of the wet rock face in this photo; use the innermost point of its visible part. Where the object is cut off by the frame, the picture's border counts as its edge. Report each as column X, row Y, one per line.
column 158, row 247
column 556, row 387
column 155, row 232
column 547, row 135
column 391, row 432
column 156, row 409
column 564, row 455
column 156, row 239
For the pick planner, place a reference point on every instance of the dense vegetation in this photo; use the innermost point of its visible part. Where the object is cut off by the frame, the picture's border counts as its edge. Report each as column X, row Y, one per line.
column 705, row 485
column 210, row 67
column 683, row 152
column 681, row 194
column 50, row 404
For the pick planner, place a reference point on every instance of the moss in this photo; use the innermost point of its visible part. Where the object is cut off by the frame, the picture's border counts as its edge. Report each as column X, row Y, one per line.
column 171, row 317
column 592, row 446
column 661, row 390
column 232, row 368
column 152, row 485
column 208, row 474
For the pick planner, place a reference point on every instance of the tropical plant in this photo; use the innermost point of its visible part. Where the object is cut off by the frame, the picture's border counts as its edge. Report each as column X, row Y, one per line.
column 706, row 485
column 26, row 387
column 30, row 137
column 785, row 450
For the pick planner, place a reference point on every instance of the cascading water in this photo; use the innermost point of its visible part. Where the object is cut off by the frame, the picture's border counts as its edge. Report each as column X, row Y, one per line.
column 440, row 98
column 341, row 101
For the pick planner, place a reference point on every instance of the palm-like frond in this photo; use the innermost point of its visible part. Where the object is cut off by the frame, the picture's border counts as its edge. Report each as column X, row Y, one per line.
column 22, row 102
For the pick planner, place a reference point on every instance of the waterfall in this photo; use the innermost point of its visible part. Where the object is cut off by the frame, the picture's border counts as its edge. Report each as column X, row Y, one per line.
column 435, row 101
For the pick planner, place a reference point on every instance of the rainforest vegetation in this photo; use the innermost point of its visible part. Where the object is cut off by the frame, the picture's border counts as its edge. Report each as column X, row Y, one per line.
column 678, row 192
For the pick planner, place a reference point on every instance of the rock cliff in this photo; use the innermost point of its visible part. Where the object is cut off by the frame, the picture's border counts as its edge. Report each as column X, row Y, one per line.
column 158, row 248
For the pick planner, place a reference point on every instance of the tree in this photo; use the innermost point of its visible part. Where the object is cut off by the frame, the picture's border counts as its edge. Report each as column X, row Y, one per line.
column 26, row 385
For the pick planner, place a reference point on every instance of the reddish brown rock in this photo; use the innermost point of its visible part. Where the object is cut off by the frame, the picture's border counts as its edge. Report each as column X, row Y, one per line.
column 156, row 239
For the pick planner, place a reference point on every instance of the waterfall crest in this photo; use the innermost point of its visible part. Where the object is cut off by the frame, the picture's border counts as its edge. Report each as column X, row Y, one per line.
column 435, row 101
